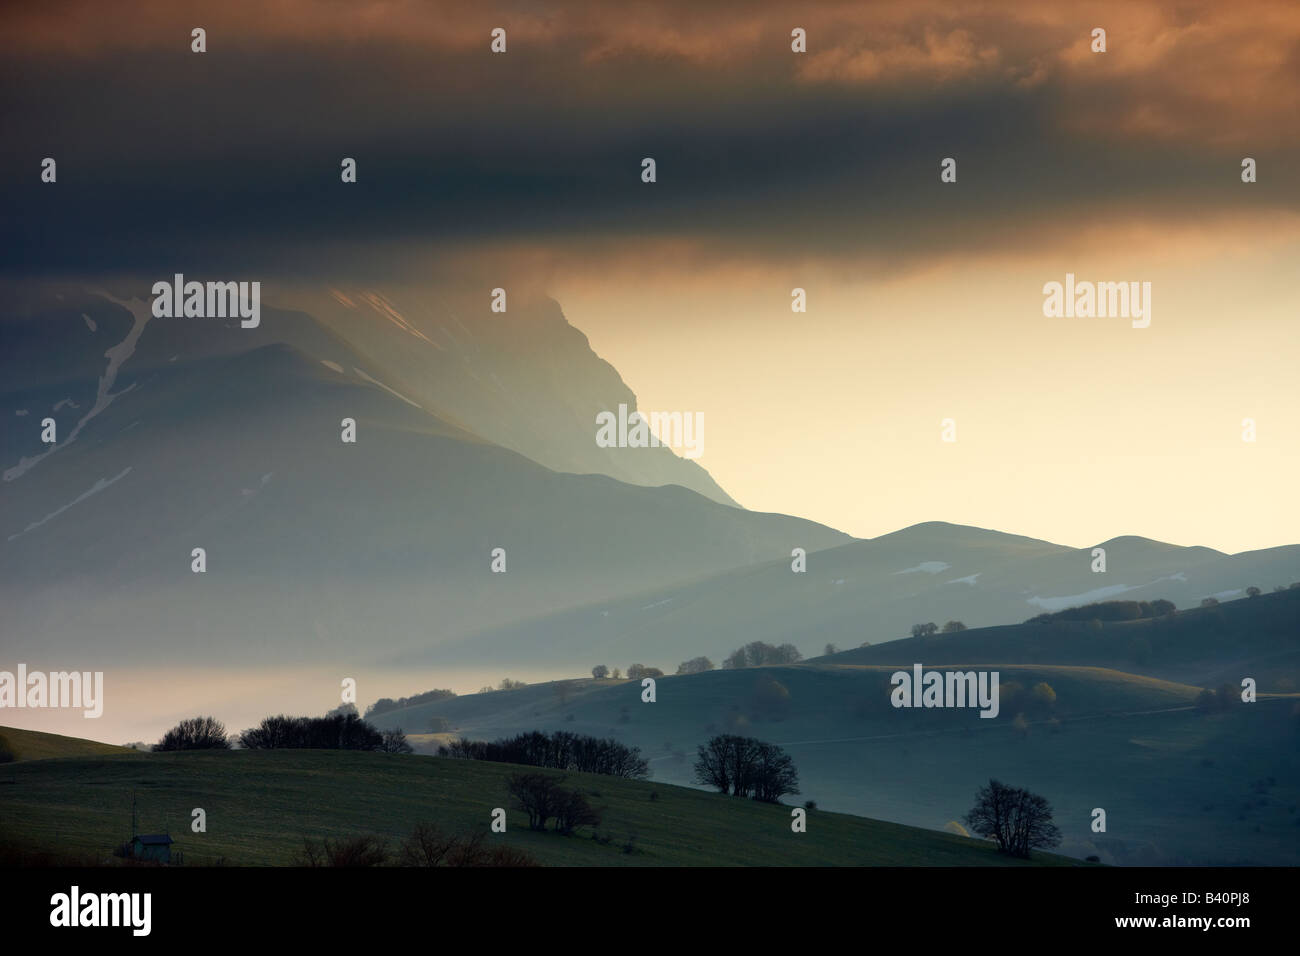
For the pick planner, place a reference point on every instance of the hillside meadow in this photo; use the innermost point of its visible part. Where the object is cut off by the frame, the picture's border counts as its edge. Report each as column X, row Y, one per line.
column 261, row 805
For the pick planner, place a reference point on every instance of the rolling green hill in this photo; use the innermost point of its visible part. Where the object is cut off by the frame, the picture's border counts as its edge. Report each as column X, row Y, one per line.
column 1257, row 637
column 1179, row 786
column 34, row 745
column 260, row 806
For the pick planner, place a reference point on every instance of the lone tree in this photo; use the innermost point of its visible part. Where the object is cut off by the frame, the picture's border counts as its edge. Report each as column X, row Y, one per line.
column 1017, row 820
column 952, row 627
column 600, row 672
column 197, row 733
column 925, row 630
column 394, row 742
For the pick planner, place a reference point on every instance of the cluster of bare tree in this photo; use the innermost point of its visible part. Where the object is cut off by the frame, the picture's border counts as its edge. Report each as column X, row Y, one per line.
column 336, row 731
column 429, row 846
column 1109, row 611
column 197, row 733
column 759, row 654
column 560, row 750
column 426, row 846
column 385, row 704
column 696, row 665
column 743, row 767
column 1015, row 819
column 634, row 672
column 507, row 683
column 542, row 798
column 930, row 629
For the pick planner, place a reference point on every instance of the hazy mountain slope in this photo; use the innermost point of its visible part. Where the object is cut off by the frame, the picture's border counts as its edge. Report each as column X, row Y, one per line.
column 525, row 379
column 312, row 543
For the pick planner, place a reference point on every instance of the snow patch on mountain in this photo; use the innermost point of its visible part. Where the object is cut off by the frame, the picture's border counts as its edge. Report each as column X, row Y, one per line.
column 1087, row 597
column 929, row 567
column 94, row 489
column 117, row 355
column 374, row 381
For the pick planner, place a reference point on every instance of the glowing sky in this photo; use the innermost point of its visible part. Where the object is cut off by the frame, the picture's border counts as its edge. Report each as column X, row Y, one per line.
column 775, row 170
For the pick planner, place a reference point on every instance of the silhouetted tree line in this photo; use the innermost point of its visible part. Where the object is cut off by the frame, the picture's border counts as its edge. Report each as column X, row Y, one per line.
column 560, row 750
column 745, row 767
column 385, row 704
column 333, row 732
column 759, row 654
column 197, row 733
column 1109, row 611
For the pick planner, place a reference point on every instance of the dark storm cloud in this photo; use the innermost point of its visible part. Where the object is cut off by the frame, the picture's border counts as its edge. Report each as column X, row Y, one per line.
column 230, row 160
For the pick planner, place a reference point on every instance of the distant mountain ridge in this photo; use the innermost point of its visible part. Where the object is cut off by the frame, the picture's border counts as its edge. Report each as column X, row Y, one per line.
column 874, row 590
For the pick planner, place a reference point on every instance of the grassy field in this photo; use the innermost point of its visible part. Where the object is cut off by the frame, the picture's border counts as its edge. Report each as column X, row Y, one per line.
column 261, row 805
column 34, row 745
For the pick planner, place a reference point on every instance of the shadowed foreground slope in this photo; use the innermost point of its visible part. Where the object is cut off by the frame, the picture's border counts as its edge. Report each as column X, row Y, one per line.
column 261, row 804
